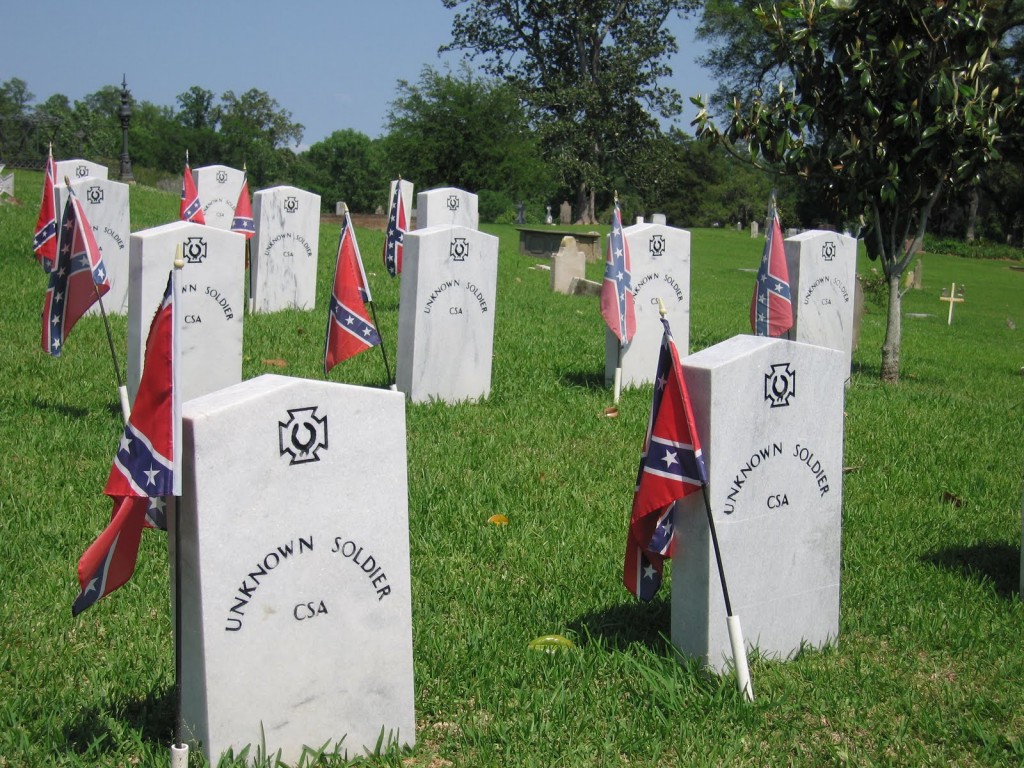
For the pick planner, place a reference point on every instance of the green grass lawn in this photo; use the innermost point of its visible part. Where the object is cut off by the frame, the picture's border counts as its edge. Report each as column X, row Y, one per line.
column 929, row 665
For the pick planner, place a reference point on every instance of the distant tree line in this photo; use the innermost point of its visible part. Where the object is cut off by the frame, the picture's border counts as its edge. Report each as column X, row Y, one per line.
column 451, row 128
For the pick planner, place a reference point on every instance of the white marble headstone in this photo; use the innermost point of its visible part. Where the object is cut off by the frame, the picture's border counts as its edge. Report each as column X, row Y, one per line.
column 6, row 183
column 79, row 169
column 658, row 218
column 296, row 587
column 448, row 207
column 106, row 207
column 769, row 414
column 570, row 263
column 284, row 249
column 660, row 260
column 446, row 314
column 210, row 307
column 218, row 187
column 822, row 277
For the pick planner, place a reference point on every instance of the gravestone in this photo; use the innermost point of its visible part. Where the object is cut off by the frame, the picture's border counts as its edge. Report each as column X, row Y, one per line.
column 284, row 249
column 296, row 588
column 446, row 314
column 210, row 306
column 218, row 187
column 568, row 264
column 6, row 183
column 564, row 213
column 447, row 207
column 639, row 220
column 822, row 273
column 106, row 207
column 78, row 169
column 658, row 218
column 660, row 260
column 918, row 280
column 769, row 413
column 547, row 216
column 754, row 229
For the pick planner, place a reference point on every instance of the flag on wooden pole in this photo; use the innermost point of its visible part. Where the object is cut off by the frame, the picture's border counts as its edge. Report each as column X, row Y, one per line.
column 77, row 280
column 144, row 469
column 771, row 309
column 671, row 467
column 349, row 330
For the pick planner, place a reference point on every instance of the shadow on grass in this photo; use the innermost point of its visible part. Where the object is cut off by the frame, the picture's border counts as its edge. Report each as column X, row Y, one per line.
column 993, row 562
column 585, row 379
column 152, row 716
column 630, row 623
column 63, row 410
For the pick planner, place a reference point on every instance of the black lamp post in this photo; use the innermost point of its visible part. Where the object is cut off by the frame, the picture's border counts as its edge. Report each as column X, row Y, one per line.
column 126, row 118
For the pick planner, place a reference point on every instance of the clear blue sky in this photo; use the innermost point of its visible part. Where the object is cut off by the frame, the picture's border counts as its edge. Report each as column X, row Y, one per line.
column 333, row 65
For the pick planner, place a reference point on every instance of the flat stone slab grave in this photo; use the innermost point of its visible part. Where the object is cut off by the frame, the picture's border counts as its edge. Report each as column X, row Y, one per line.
column 660, row 261
column 210, row 306
column 296, row 590
column 769, row 414
column 446, row 314
column 544, row 242
column 822, row 280
column 218, row 187
column 447, row 206
column 106, row 207
column 285, row 249
column 79, row 169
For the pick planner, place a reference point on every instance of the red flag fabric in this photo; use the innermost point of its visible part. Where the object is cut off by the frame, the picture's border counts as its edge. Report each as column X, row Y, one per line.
column 671, row 467
column 617, row 289
column 349, row 330
column 78, row 278
column 393, row 240
column 242, row 221
column 191, row 209
column 110, row 560
column 44, row 242
column 771, row 309
column 143, row 470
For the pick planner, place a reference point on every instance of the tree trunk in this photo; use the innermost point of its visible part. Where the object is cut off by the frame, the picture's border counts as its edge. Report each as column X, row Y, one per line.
column 972, row 214
column 893, row 333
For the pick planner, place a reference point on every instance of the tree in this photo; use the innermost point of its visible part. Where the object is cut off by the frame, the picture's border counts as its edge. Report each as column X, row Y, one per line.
column 464, row 131
column 256, row 131
column 590, row 71
column 888, row 104
column 345, row 166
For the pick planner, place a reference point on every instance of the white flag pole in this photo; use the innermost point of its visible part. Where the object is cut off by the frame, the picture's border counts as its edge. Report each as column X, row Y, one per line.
column 179, row 749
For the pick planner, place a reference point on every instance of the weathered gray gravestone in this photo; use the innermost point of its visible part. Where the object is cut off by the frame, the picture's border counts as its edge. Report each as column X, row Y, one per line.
column 210, row 306
column 754, row 228
column 296, row 588
column 6, row 183
column 822, row 273
column 769, row 414
column 446, row 314
column 284, row 249
column 218, row 187
column 447, row 207
column 658, row 218
column 106, row 208
column 660, row 259
column 75, row 170
column 570, row 263
column 564, row 213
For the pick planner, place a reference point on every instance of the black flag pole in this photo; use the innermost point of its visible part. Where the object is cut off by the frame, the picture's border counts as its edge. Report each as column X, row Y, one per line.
column 383, row 352
column 122, row 393
column 739, row 649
